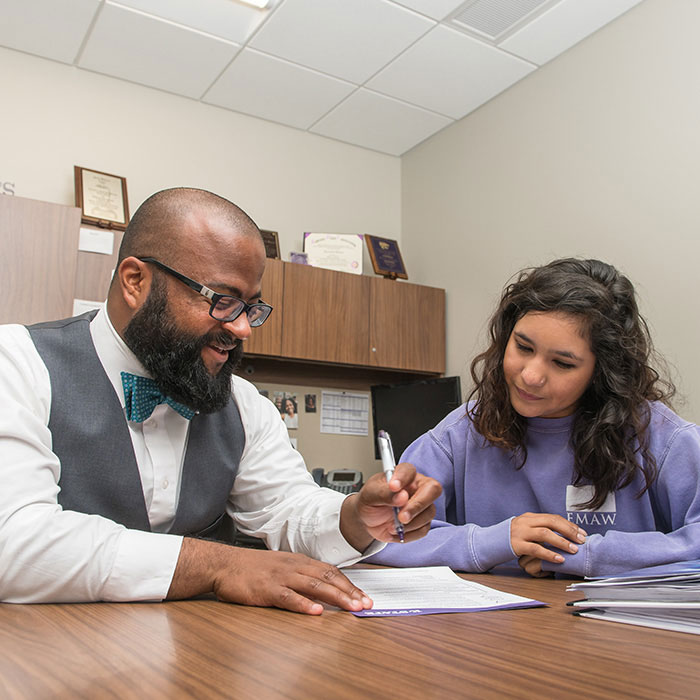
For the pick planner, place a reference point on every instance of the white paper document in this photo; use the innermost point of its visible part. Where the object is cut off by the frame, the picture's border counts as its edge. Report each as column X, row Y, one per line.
column 344, row 413
column 427, row 590
column 96, row 240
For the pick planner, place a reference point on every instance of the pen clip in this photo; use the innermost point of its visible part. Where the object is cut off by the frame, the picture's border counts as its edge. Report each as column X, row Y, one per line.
column 384, row 437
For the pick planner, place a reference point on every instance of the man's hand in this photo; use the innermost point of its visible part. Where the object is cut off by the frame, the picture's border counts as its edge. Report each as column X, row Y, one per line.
column 369, row 514
column 529, row 533
column 256, row 577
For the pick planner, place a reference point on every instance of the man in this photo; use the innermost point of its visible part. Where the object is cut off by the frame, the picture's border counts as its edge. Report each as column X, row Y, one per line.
column 98, row 485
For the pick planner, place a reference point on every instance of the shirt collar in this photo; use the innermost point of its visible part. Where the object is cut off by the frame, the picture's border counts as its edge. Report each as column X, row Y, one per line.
column 113, row 352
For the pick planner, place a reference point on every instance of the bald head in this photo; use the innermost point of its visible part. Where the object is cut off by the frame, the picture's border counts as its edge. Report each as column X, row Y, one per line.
column 200, row 234
column 162, row 223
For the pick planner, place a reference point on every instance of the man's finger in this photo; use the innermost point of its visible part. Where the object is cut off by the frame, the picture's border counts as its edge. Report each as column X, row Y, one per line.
column 328, row 583
column 423, row 498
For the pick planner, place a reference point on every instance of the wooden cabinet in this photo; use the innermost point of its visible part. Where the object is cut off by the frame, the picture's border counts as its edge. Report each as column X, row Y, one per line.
column 406, row 326
column 343, row 319
column 267, row 340
column 38, row 251
column 325, row 315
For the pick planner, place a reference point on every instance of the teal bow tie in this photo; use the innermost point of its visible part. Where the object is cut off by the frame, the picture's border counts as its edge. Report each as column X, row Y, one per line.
column 142, row 395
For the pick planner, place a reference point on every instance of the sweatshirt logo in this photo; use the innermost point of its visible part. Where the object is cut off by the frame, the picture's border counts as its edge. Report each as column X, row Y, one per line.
column 576, row 495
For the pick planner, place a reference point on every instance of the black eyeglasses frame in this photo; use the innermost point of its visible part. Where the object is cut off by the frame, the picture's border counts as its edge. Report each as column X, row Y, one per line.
column 214, row 297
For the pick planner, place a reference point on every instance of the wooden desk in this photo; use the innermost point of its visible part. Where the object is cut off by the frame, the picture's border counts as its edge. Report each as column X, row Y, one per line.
column 206, row 649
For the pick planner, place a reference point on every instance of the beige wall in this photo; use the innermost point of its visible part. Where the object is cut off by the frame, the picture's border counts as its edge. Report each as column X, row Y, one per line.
column 55, row 116
column 597, row 154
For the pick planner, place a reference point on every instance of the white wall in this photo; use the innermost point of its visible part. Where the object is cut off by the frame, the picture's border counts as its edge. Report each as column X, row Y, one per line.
column 55, row 116
column 596, row 154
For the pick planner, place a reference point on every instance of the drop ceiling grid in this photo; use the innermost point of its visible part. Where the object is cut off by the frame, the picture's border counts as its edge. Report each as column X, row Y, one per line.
column 382, row 74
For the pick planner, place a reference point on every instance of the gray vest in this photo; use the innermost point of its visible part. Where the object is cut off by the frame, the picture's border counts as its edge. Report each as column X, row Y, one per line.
column 99, row 474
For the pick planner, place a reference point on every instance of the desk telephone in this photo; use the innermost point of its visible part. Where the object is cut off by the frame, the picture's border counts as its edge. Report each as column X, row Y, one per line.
column 343, row 480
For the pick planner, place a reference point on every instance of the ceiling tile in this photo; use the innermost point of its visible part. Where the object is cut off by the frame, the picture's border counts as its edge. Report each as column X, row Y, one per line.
column 449, row 72
column 273, row 89
column 350, row 39
column 437, row 9
column 562, row 26
column 51, row 28
column 374, row 121
column 224, row 18
column 136, row 47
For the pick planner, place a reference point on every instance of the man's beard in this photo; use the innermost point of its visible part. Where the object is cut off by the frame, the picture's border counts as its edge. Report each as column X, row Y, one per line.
column 173, row 358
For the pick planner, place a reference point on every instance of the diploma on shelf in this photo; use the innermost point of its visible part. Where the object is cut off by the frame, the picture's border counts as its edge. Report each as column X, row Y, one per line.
column 335, row 251
column 102, row 198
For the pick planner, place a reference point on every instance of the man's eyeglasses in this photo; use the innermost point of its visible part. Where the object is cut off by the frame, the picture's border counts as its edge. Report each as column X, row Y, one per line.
column 224, row 307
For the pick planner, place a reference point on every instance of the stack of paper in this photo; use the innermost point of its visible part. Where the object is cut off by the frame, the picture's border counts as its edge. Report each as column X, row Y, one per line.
column 666, row 597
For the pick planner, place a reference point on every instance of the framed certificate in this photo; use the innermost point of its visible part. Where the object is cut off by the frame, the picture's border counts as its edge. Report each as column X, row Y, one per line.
column 102, row 198
column 272, row 243
column 335, row 251
column 386, row 257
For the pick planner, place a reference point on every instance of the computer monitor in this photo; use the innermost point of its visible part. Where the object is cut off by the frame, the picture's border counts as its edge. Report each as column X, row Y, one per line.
column 409, row 409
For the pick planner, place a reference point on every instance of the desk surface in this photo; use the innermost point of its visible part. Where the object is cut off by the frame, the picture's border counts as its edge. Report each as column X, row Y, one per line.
column 207, row 649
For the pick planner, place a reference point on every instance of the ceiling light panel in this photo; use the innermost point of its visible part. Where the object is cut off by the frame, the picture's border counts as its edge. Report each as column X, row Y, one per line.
column 223, row 18
column 146, row 50
column 349, row 39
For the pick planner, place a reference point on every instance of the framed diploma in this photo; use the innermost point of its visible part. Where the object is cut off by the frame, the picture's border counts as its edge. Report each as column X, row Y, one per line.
column 102, row 198
column 335, row 251
column 272, row 243
column 386, row 257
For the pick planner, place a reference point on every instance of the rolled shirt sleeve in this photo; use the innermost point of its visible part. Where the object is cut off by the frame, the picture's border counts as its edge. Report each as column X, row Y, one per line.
column 275, row 497
column 48, row 554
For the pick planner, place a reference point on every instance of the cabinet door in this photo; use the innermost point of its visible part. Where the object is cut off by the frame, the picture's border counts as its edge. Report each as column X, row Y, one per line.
column 325, row 315
column 38, row 259
column 407, row 326
column 267, row 340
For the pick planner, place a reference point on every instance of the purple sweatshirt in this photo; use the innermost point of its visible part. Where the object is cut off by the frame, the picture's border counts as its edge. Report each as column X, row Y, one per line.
column 483, row 491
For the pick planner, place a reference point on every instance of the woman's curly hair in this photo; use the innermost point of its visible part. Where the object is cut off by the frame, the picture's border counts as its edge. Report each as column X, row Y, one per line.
column 609, row 432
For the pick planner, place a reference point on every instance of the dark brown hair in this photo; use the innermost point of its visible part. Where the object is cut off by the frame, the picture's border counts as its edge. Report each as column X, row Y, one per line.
column 610, row 425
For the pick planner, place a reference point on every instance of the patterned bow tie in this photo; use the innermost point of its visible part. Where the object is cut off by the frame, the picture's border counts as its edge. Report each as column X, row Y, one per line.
column 142, row 395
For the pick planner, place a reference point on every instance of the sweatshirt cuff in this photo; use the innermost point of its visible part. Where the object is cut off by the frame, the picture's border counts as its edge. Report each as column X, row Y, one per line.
column 143, row 567
column 491, row 545
column 573, row 564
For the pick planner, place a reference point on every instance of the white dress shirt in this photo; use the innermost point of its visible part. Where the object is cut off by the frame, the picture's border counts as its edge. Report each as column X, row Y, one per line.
column 48, row 554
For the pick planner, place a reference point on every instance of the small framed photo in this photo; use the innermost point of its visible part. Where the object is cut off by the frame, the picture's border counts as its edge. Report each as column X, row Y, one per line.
column 299, row 258
column 386, row 257
column 272, row 243
column 102, row 198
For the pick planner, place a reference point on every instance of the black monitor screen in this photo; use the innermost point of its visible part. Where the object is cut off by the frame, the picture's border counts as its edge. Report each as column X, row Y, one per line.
column 408, row 410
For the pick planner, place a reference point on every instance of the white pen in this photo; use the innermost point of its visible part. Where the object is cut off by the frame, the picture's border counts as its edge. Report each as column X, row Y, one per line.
column 386, row 452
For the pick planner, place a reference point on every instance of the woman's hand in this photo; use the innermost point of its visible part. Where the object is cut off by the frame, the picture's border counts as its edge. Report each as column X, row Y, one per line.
column 530, row 532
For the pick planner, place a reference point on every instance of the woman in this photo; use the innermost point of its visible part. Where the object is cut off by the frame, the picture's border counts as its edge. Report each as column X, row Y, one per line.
column 567, row 457
column 290, row 417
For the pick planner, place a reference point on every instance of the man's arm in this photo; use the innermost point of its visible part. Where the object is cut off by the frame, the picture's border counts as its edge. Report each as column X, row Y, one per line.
column 48, row 554
column 275, row 497
column 295, row 581
column 256, row 577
